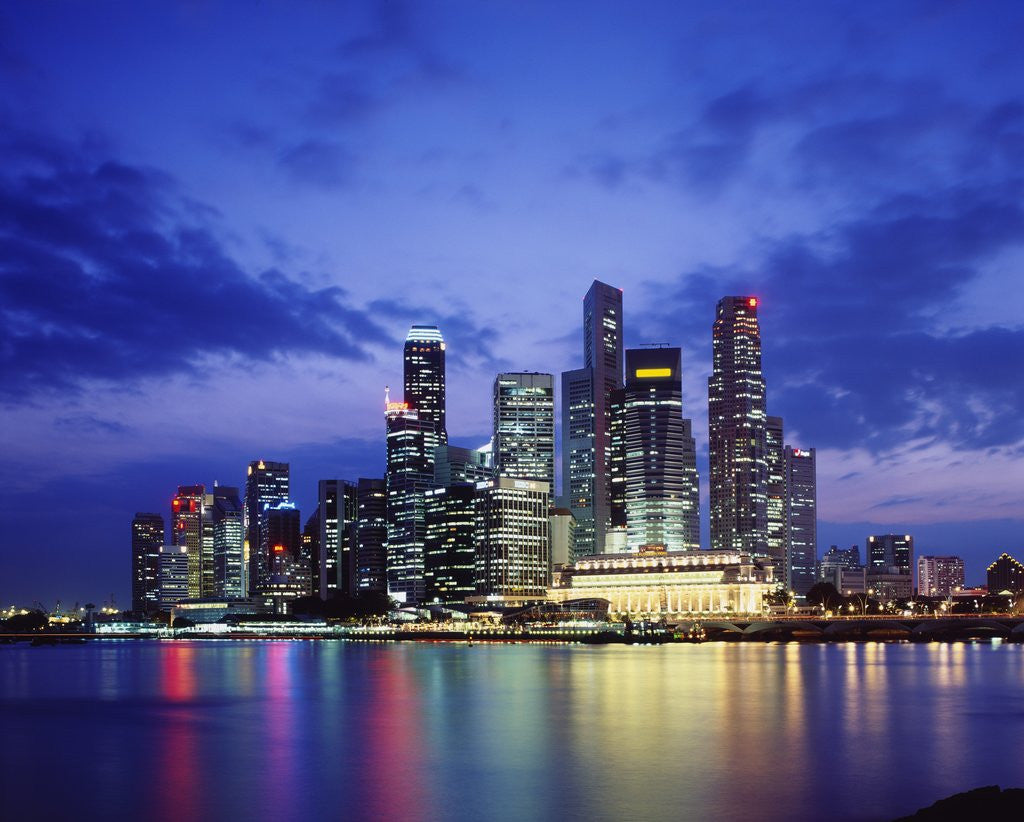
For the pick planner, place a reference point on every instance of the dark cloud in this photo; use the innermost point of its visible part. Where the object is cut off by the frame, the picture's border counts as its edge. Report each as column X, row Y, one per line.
column 107, row 273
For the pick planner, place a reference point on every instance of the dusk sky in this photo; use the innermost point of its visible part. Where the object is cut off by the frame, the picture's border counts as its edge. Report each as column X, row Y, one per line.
column 217, row 221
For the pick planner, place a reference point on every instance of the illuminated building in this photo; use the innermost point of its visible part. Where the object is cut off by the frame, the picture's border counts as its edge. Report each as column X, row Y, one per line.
column 890, row 553
column 449, row 555
column 524, row 426
column 1005, row 574
column 335, row 559
column 266, row 484
column 309, row 550
column 847, row 557
column 939, row 576
column 801, row 519
column 842, row 568
column 410, row 472
column 653, row 492
column 187, row 532
column 453, row 464
column 147, row 540
column 226, row 516
column 282, row 545
column 775, row 496
column 736, row 430
column 424, row 376
column 586, row 417
column 173, row 575
column 668, row 584
column 371, row 534
column 511, row 533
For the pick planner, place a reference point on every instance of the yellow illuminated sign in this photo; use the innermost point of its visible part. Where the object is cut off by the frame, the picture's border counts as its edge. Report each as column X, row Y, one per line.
column 653, row 372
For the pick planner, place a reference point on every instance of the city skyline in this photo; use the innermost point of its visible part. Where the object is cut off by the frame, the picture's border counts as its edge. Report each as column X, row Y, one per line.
column 859, row 173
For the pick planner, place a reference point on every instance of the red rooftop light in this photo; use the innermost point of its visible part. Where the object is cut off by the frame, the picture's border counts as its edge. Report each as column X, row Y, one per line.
column 752, row 302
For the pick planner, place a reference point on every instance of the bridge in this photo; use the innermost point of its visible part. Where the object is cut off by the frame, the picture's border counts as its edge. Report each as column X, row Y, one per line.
column 919, row 629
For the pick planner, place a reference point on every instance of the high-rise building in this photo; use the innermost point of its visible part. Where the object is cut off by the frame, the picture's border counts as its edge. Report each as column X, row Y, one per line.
column 801, row 519
column 524, row 426
column 227, row 516
column 411, row 443
column 371, row 536
column 775, row 497
column 843, row 557
column 450, row 548
column 1005, row 574
column 173, row 575
column 282, row 544
column 453, row 464
column 736, row 430
column 890, row 553
column 511, row 534
column 208, row 577
column 939, row 576
column 187, row 532
column 147, row 540
column 652, row 489
column 335, row 564
column 424, row 376
column 266, row 485
column 586, row 417
column 309, row 540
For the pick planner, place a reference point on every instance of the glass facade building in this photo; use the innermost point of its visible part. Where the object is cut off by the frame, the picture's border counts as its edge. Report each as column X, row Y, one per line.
column 266, row 484
column 801, row 519
column 524, row 426
column 147, row 540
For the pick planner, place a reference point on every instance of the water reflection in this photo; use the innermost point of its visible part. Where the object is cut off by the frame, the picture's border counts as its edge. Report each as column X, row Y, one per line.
column 294, row 729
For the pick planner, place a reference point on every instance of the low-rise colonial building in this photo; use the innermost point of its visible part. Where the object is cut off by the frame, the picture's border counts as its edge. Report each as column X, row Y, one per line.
column 669, row 583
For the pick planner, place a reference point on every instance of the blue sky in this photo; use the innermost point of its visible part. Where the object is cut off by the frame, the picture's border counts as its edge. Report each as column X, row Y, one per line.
column 217, row 221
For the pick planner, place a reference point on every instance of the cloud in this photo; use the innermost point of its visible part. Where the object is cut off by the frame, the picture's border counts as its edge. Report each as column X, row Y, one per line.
column 107, row 272
column 322, row 163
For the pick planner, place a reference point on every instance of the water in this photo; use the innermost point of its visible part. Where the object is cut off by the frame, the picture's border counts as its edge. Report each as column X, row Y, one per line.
column 289, row 730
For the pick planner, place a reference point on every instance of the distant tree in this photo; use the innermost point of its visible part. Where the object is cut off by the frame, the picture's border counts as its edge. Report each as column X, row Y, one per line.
column 778, row 597
column 183, row 622
column 825, row 593
column 24, row 623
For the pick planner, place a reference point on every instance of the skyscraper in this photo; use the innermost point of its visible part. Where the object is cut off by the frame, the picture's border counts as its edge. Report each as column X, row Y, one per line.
column 424, row 376
column 282, row 544
column 1005, row 574
column 410, row 472
column 524, row 426
column 266, row 484
column 371, row 536
column 653, row 492
column 454, row 464
column 173, row 584
column 890, row 554
column 147, row 540
column 187, row 532
column 775, row 496
column 586, row 417
column 801, row 519
column 228, row 520
column 450, row 547
column 736, row 430
column 511, row 534
column 335, row 563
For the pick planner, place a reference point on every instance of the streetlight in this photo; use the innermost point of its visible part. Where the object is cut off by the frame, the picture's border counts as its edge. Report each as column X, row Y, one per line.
column 862, row 598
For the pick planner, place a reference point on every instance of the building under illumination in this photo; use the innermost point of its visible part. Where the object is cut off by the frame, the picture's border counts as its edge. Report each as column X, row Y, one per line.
column 266, row 484
column 371, row 536
column 776, row 501
column 449, row 555
column 335, row 566
column 227, row 518
column 147, row 540
column 736, row 430
column 1005, row 574
column 524, row 426
column 939, row 576
column 424, row 376
column 511, row 534
column 187, row 518
column 173, row 576
column 669, row 584
column 801, row 519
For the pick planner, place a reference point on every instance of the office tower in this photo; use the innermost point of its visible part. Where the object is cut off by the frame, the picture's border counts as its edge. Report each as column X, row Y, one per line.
column 844, row 557
column 652, row 494
column 309, row 540
column 410, row 472
column 775, row 497
column 187, row 531
column 586, row 417
column 147, row 540
column 691, row 486
column 890, row 553
column 562, row 537
column 449, row 554
column 511, row 533
column 801, row 519
column 227, row 516
column 524, row 426
column 173, row 575
column 453, row 464
column 736, row 430
column 424, row 383
column 282, row 545
column 841, row 567
column 371, row 534
column 335, row 560
column 266, row 484
column 208, row 575
column 939, row 576
column 1005, row 575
